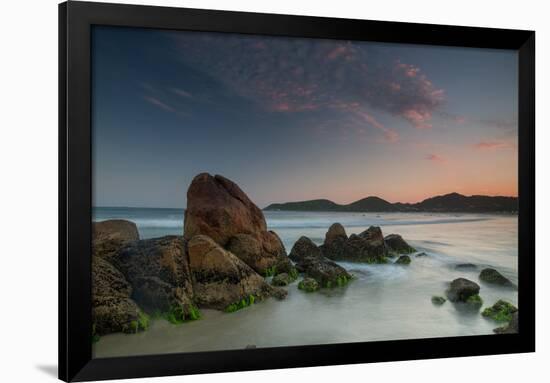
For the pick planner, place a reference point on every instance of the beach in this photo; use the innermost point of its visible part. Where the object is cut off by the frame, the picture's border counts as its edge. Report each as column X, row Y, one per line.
column 383, row 302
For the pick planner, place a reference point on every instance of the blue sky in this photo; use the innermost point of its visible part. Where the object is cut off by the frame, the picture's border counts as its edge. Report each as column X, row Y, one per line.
column 293, row 119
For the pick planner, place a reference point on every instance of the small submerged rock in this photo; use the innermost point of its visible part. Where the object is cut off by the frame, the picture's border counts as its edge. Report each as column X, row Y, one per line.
column 501, row 311
column 422, row 254
column 438, row 300
column 403, row 260
column 492, row 276
column 462, row 290
column 511, row 328
column 309, row 285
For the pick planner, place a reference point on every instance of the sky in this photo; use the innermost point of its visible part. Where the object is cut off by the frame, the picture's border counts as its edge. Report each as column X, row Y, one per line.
column 291, row 119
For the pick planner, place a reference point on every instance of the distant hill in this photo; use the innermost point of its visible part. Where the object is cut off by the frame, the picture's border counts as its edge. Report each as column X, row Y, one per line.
column 452, row 202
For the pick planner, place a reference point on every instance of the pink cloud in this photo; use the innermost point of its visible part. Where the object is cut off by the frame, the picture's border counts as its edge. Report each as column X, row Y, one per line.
column 390, row 135
column 336, row 52
column 419, row 119
column 435, row 158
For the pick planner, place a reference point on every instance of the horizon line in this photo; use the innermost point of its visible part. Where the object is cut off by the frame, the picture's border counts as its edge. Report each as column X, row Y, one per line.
column 315, row 199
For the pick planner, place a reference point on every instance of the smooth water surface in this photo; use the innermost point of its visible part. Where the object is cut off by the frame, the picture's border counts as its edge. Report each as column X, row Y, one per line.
column 384, row 302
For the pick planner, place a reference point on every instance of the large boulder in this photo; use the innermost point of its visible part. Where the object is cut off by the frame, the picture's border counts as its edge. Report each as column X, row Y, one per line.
column 159, row 273
column 462, row 290
column 221, row 279
column 398, row 245
column 368, row 246
column 219, row 209
column 310, row 260
column 109, row 236
column 112, row 308
column 492, row 276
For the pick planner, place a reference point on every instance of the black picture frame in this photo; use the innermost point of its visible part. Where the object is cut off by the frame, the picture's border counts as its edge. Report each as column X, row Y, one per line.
column 75, row 349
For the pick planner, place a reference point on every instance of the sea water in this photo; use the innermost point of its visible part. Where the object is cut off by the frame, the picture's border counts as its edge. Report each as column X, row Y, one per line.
column 384, row 302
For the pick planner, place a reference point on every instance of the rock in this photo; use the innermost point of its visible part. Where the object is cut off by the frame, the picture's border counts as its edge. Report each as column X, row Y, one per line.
column 494, row 277
column 115, row 229
column 368, row 246
column 328, row 274
column 115, row 314
column 501, row 311
column 112, row 308
column 309, row 285
column 223, row 281
column 511, row 328
column 462, row 289
column 422, row 254
column 219, row 209
column 373, row 233
column 303, row 250
column 282, row 279
column 310, row 260
column 284, row 265
column 109, row 236
column 335, row 232
column 397, row 244
column 465, row 266
column 438, row 301
column 159, row 273
column 403, row 260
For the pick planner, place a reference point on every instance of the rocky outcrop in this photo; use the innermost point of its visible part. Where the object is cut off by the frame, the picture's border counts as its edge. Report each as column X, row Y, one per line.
column 310, row 260
column 511, row 328
column 368, row 246
column 219, row 209
column 221, row 279
column 159, row 273
column 492, row 276
column 112, row 308
column 109, row 236
column 398, row 245
column 462, row 290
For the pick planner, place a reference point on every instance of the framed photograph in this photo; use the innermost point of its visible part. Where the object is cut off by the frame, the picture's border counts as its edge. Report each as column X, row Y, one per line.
column 243, row 191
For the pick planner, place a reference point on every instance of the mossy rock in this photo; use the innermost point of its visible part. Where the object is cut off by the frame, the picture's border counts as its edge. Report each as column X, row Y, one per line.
column 501, row 311
column 138, row 325
column 244, row 302
column 474, row 301
column 282, row 279
column 403, row 260
column 492, row 276
column 308, row 285
column 438, row 300
column 180, row 314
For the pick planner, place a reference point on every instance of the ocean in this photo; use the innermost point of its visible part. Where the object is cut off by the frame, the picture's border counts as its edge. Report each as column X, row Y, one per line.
column 384, row 302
